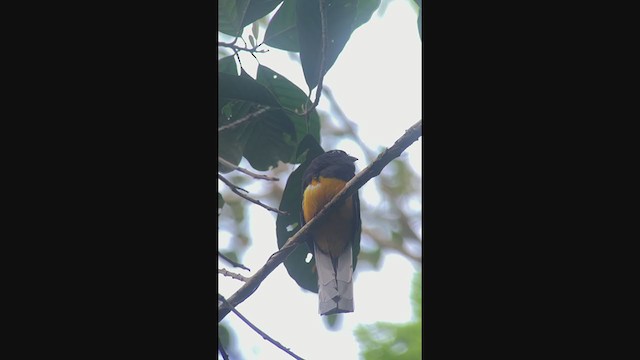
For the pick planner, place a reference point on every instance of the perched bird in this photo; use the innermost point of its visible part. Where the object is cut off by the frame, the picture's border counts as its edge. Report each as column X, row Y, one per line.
column 332, row 240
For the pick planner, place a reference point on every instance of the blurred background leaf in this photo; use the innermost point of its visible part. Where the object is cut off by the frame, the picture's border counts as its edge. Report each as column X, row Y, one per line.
column 382, row 341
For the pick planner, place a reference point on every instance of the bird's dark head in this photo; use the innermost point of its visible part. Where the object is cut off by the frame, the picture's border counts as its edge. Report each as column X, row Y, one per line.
column 333, row 163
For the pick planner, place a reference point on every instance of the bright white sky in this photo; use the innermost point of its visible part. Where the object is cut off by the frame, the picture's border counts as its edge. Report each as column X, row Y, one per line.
column 377, row 82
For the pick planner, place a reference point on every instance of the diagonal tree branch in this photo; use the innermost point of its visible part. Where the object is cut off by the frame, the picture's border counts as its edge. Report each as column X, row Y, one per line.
column 255, row 328
column 374, row 169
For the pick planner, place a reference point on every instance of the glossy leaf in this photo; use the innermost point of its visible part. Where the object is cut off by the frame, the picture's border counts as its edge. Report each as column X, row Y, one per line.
column 340, row 16
column 228, row 65
column 231, row 142
column 282, row 32
column 258, row 9
column 244, row 88
column 366, row 8
column 290, row 97
column 263, row 140
column 231, row 14
column 272, row 139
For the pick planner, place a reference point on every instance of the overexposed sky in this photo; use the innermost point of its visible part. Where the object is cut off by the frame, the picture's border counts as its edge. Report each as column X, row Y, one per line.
column 377, row 82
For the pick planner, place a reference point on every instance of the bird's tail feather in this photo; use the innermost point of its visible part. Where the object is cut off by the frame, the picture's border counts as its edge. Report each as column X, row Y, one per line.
column 335, row 282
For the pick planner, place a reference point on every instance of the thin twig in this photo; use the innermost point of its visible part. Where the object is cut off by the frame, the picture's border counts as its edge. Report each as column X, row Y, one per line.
column 234, row 263
column 264, row 336
column 374, row 169
column 224, row 354
column 245, row 118
column 230, row 274
column 337, row 110
column 237, row 48
column 245, row 171
column 323, row 51
column 235, row 188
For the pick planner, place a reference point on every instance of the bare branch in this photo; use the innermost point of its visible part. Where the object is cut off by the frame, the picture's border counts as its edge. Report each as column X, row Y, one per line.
column 264, row 336
column 245, row 118
column 369, row 154
column 245, row 171
column 230, row 274
column 224, row 354
column 406, row 227
column 323, row 51
column 374, row 169
column 237, row 48
column 235, row 188
column 391, row 245
column 236, row 264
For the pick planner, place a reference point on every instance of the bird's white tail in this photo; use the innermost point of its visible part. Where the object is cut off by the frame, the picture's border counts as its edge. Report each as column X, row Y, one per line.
column 335, row 285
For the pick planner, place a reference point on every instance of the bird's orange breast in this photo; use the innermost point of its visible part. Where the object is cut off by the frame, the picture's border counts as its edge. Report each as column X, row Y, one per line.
column 336, row 231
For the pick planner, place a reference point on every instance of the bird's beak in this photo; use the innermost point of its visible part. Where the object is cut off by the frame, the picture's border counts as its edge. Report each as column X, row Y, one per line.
column 354, row 159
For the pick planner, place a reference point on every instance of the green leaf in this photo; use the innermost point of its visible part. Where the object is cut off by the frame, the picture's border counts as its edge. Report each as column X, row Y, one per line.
column 231, row 14
column 288, row 225
column 340, row 15
column 266, row 138
column 244, row 88
column 272, row 139
column 366, row 8
column 228, row 65
column 291, row 97
column 258, row 9
column 282, row 32
column 231, row 142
